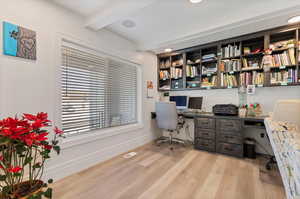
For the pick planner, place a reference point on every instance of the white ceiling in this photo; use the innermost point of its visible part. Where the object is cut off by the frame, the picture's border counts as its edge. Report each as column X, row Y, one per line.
column 178, row 23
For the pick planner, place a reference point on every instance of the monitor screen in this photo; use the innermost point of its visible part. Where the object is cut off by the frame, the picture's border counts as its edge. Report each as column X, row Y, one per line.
column 195, row 102
column 181, row 101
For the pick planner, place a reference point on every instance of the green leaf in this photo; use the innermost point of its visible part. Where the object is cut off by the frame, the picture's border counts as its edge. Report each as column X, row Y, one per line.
column 36, row 166
column 57, row 149
column 50, row 181
column 48, row 193
column 28, row 160
column 2, row 177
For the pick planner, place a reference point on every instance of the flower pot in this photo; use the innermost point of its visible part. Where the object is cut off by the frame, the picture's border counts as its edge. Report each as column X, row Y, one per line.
column 24, row 190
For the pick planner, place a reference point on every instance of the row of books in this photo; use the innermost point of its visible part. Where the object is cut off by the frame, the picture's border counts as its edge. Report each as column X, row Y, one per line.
column 191, row 71
column 164, row 74
column 228, row 80
column 282, row 44
column 164, row 64
column 251, row 78
column 209, row 69
column 209, row 81
column 230, row 51
column 176, row 73
column 284, row 76
column 283, row 59
column 230, row 65
column 252, row 63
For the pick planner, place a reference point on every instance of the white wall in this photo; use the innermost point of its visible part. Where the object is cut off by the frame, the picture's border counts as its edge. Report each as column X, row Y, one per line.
column 266, row 96
column 30, row 87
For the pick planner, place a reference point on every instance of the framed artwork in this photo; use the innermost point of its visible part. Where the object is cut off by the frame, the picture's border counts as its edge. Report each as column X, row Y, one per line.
column 150, row 89
column 19, row 41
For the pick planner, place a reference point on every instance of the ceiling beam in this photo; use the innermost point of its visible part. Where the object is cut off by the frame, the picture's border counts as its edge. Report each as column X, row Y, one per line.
column 115, row 11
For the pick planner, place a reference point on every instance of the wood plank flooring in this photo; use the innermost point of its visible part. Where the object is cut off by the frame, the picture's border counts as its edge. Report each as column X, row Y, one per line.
column 159, row 173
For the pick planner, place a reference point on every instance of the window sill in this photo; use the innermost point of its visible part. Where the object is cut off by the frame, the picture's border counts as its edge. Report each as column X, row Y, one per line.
column 98, row 134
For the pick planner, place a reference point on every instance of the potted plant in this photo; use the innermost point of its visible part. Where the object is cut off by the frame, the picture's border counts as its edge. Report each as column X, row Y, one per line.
column 25, row 146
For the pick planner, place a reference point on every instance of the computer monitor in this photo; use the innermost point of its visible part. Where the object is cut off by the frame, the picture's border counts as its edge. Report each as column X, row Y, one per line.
column 195, row 103
column 181, row 101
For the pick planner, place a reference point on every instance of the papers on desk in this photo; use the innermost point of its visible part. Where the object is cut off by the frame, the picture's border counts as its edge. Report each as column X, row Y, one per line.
column 285, row 141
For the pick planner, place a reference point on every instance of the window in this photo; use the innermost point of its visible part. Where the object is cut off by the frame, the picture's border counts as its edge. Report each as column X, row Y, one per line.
column 97, row 92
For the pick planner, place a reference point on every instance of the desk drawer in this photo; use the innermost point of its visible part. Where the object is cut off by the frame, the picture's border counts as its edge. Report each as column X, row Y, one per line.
column 205, row 123
column 230, row 149
column 205, row 133
column 228, row 125
column 205, row 144
column 228, row 138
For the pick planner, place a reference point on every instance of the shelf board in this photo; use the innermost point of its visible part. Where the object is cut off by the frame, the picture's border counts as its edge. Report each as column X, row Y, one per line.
column 228, row 87
column 234, row 57
column 177, row 66
column 173, row 78
column 197, row 76
column 285, row 84
column 193, row 63
column 282, row 49
column 251, row 69
column 231, row 72
column 164, row 79
column 282, row 67
column 210, row 61
column 208, row 75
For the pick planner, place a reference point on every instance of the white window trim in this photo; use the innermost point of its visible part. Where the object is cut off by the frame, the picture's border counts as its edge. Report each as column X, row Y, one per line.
column 94, row 135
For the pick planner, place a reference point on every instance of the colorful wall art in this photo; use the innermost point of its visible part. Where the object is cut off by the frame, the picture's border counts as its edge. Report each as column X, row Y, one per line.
column 19, row 41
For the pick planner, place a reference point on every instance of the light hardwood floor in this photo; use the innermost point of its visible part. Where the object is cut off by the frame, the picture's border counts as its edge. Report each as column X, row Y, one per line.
column 159, row 173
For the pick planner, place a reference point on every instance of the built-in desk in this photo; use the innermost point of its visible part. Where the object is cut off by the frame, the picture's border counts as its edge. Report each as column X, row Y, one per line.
column 222, row 134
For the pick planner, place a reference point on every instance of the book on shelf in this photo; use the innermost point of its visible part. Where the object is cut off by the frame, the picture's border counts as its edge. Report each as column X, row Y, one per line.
column 191, row 71
column 251, row 63
column 209, row 57
column 176, row 73
column 230, row 65
column 209, row 82
column 164, row 64
column 164, row 75
column 252, row 78
column 178, row 62
column 281, row 45
column 230, row 51
column 284, row 76
column 165, row 87
column 209, row 69
column 283, row 59
column 193, row 84
column 228, row 80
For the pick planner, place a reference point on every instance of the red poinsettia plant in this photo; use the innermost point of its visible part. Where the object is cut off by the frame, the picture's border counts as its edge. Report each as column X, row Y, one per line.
column 25, row 146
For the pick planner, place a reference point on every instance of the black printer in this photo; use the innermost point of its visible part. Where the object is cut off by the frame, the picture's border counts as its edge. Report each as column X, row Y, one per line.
column 226, row 109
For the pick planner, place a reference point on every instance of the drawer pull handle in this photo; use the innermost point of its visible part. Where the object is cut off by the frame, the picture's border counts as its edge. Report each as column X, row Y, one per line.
column 229, row 137
column 205, row 133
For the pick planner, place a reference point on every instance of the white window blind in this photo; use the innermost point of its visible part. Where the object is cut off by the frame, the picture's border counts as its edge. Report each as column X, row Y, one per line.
column 97, row 92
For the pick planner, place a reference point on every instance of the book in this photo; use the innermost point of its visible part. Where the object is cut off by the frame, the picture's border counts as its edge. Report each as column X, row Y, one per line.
column 230, row 65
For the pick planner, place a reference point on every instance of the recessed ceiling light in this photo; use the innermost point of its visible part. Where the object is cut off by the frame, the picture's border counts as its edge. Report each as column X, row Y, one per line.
column 167, row 50
column 294, row 19
column 195, row 1
column 128, row 24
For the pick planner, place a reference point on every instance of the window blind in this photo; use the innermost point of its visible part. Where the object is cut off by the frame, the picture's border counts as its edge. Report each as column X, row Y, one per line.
column 97, row 92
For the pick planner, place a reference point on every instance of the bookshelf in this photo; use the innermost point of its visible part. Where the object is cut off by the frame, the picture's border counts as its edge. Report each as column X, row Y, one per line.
column 265, row 59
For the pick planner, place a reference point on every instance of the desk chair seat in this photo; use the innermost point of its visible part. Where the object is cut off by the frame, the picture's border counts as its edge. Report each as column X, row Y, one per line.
column 167, row 119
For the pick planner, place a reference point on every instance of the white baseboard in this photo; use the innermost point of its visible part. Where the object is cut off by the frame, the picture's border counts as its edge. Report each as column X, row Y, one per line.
column 60, row 171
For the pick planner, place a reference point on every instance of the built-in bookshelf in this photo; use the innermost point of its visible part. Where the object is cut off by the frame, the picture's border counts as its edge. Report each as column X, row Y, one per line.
column 264, row 59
